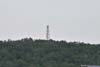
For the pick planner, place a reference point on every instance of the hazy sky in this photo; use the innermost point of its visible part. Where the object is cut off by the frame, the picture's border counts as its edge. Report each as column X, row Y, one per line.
column 71, row 20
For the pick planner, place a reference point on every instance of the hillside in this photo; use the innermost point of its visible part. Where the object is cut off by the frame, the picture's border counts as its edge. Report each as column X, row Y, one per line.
column 43, row 53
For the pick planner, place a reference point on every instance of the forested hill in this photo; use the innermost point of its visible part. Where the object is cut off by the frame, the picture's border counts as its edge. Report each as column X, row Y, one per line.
column 43, row 53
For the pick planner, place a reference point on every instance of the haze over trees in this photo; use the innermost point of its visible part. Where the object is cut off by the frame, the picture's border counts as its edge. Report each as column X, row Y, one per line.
column 47, row 53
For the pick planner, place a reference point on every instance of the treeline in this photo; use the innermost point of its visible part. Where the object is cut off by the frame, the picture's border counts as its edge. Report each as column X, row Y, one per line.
column 47, row 53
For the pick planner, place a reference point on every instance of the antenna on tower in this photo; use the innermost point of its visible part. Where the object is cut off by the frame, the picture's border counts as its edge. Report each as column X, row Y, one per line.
column 47, row 33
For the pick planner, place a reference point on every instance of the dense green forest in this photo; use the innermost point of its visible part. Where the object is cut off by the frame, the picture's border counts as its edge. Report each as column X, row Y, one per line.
column 47, row 53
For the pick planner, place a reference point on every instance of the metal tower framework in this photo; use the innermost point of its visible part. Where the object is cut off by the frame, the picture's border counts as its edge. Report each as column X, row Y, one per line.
column 47, row 34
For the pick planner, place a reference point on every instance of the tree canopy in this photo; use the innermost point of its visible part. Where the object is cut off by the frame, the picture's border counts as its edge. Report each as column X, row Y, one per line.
column 47, row 53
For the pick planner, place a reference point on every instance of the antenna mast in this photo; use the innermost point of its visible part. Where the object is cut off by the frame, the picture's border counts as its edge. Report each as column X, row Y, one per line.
column 47, row 34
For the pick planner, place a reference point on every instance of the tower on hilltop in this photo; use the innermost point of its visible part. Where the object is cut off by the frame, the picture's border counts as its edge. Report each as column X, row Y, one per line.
column 47, row 33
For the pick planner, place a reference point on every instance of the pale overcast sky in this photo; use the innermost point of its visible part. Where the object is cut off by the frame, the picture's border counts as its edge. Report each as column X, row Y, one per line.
column 70, row 20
